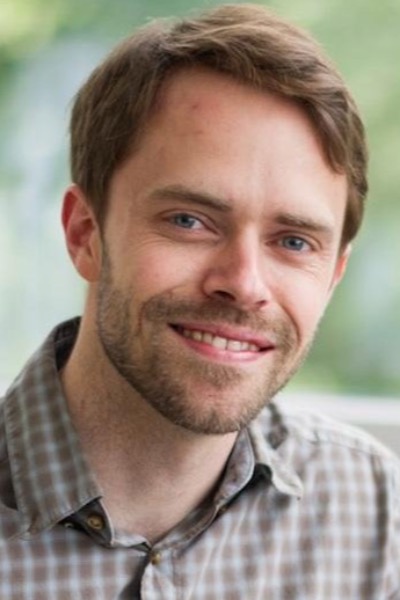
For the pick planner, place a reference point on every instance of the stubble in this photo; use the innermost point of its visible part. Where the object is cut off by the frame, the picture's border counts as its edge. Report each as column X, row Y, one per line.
column 170, row 381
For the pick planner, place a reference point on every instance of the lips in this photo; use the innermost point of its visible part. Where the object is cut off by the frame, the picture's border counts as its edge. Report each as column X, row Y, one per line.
column 223, row 340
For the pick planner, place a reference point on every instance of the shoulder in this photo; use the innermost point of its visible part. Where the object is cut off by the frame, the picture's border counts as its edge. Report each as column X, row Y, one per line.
column 321, row 448
column 321, row 430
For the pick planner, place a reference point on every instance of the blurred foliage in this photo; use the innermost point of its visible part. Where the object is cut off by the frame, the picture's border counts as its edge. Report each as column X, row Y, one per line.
column 48, row 48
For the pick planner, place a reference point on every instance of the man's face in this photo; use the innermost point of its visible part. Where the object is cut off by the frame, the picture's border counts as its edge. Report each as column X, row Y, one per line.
column 220, row 252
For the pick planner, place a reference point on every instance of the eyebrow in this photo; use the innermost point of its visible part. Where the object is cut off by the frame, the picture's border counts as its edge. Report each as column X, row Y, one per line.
column 184, row 194
column 309, row 224
column 189, row 196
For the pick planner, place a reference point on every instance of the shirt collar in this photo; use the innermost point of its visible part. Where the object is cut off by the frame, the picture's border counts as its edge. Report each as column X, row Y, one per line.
column 258, row 453
column 268, row 458
column 51, row 478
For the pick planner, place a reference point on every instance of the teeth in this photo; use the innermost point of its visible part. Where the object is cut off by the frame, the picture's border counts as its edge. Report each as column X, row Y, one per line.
column 198, row 336
column 235, row 346
column 219, row 342
column 208, row 338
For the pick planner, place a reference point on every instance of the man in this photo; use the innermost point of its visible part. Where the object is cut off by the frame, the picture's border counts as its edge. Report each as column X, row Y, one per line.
column 219, row 179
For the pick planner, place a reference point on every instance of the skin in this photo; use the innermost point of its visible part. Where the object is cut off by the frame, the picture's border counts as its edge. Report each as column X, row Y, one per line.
column 227, row 222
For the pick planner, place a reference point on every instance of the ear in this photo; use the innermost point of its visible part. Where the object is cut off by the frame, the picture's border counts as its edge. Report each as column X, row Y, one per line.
column 340, row 267
column 82, row 234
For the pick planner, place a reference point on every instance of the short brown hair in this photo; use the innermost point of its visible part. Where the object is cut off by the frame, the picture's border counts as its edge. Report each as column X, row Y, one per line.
column 246, row 42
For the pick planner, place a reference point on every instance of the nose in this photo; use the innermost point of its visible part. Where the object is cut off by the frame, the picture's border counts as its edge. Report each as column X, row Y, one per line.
column 237, row 275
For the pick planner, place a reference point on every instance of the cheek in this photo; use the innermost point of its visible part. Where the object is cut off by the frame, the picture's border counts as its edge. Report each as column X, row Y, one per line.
column 305, row 302
column 153, row 270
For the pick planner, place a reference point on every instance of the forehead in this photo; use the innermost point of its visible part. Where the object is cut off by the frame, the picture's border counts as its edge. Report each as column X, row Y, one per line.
column 202, row 94
column 197, row 100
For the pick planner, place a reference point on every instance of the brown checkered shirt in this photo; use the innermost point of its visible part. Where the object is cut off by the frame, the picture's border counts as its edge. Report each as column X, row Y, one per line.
column 307, row 510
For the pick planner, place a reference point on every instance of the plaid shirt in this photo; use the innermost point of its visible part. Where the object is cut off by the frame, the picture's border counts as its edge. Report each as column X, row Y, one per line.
column 307, row 510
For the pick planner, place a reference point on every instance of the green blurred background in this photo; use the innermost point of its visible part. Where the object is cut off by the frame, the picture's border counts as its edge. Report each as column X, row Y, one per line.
column 46, row 51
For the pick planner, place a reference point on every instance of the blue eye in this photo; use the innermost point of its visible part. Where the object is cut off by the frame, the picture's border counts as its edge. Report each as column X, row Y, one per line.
column 186, row 221
column 295, row 244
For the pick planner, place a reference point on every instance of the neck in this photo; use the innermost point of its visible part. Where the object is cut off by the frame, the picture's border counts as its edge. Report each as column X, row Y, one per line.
column 139, row 458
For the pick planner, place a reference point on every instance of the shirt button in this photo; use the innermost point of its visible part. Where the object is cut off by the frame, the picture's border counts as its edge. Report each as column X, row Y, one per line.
column 155, row 558
column 95, row 522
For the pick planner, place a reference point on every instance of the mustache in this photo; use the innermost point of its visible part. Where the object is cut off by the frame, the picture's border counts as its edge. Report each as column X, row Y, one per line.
column 165, row 308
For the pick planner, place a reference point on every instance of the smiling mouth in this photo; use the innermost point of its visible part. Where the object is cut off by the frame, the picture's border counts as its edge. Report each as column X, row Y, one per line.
column 217, row 341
